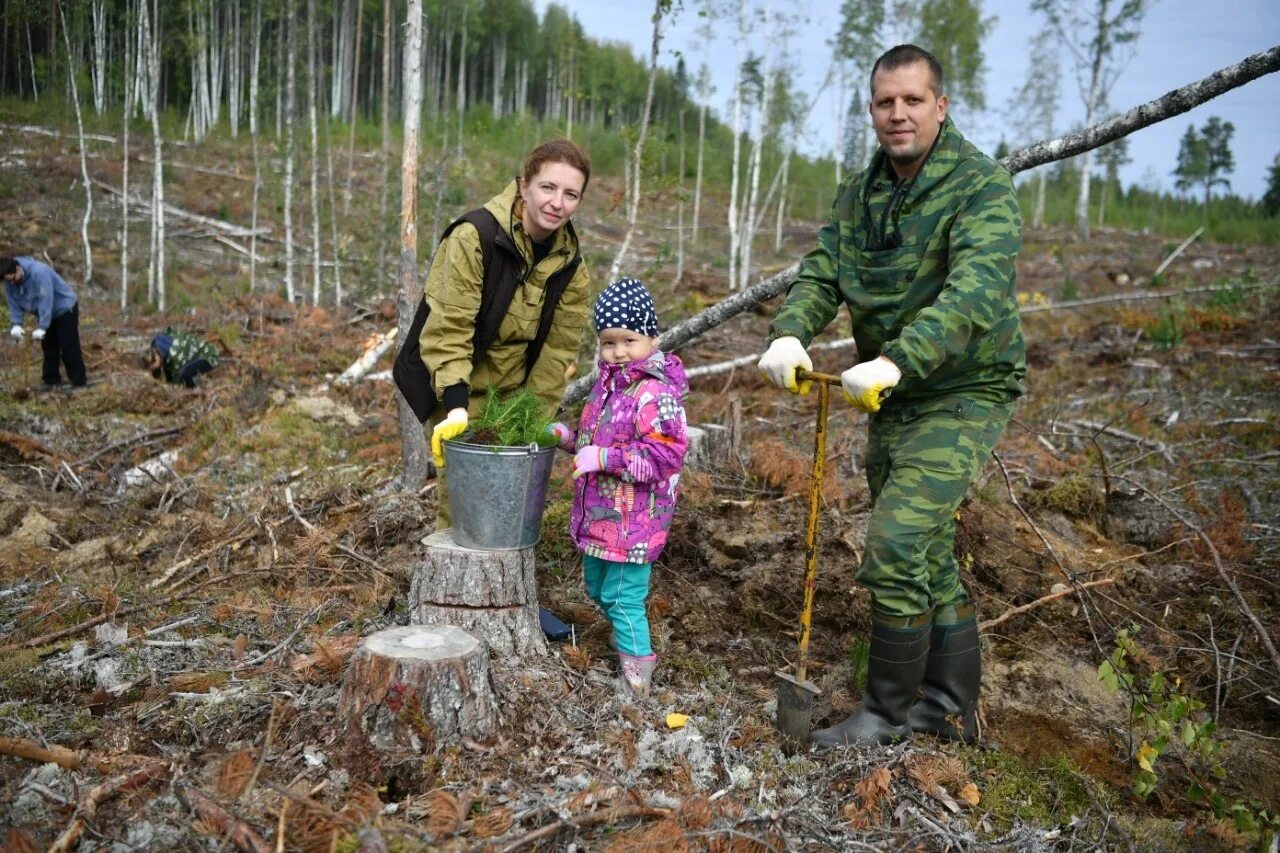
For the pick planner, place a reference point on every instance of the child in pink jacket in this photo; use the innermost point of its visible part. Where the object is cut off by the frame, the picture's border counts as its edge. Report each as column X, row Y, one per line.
column 628, row 450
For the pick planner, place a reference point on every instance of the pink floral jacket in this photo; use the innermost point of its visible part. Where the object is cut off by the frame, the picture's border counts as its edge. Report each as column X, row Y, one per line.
column 623, row 512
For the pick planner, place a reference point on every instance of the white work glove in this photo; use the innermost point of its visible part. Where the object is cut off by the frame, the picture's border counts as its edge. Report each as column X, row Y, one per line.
column 16, row 333
column 454, row 425
column 37, row 335
column 780, row 361
column 866, row 384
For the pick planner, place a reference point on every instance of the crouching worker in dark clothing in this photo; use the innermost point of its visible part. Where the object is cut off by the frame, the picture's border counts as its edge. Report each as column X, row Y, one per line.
column 179, row 357
column 31, row 287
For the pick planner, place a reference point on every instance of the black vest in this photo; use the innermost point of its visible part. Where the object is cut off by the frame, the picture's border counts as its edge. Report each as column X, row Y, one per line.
column 504, row 270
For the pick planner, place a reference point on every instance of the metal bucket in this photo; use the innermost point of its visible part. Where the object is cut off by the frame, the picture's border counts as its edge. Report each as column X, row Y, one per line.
column 497, row 494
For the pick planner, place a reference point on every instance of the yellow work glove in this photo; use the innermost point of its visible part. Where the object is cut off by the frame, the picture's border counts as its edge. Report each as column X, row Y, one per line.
column 780, row 361
column 454, row 425
column 867, row 384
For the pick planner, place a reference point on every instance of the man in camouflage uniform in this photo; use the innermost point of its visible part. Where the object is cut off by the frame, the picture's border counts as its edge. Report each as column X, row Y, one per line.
column 921, row 247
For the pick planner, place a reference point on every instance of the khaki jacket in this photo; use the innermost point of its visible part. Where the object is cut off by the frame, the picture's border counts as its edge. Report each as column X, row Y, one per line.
column 453, row 295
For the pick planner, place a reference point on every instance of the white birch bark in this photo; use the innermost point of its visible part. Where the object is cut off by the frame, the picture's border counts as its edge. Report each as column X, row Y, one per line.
column 290, row 89
column 31, row 55
column 99, row 66
column 312, row 68
column 235, row 71
column 461, row 105
column 499, row 73
column 782, row 199
column 385, row 161
column 633, row 191
column 412, row 440
column 351, row 128
column 704, row 93
column 738, row 96
column 129, row 86
column 215, row 64
column 254, row 73
column 750, row 223
column 156, row 269
column 84, row 161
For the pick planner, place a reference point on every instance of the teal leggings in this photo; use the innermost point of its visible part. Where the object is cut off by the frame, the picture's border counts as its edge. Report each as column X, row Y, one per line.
column 620, row 589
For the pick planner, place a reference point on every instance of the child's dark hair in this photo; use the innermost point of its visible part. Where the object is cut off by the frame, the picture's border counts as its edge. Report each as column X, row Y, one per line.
column 8, row 266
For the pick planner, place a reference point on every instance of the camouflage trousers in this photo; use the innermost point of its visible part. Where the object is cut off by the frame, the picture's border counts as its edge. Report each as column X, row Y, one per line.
column 920, row 461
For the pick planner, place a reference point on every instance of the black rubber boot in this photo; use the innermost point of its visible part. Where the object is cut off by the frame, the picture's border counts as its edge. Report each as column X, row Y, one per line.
column 895, row 669
column 948, row 706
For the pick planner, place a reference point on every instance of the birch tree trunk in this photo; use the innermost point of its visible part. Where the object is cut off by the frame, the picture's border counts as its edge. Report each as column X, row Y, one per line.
column 750, row 223
column 31, row 55
column 312, row 68
column 461, row 105
column 124, row 164
column 156, row 270
column 290, row 86
column 697, row 181
column 738, row 95
column 254, row 69
column 84, row 161
column 633, row 192
column 99, row 13
column 499, row 73
column 782, row 199
column 680, row 199
column 413, row 443
column 351, row 130
column 385, row 164
column 235, row 72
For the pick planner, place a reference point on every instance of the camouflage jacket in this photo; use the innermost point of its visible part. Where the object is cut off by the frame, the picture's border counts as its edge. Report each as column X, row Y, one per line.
column 929, row 285
column 183, row 349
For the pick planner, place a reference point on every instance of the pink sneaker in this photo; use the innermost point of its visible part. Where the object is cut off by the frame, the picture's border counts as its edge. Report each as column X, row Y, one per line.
column 637, row 672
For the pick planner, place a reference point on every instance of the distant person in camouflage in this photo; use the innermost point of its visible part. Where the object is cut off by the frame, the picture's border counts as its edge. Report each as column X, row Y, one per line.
column 921, row 247
column 179, row 357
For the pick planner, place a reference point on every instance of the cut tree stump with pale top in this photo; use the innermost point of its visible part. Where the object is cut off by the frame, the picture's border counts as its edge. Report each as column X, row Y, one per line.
column 414, row 687
column 491, row 594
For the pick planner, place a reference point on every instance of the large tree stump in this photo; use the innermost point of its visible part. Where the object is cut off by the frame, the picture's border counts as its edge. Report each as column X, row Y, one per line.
column 491, row 594
column 414, row 687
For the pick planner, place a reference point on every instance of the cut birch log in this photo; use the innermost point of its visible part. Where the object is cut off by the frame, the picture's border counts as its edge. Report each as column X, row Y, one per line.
column 373, row 349
column 492, row 594
column 414, row 687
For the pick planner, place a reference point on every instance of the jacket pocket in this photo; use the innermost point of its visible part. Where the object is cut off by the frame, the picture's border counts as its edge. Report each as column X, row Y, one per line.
column 889, row 270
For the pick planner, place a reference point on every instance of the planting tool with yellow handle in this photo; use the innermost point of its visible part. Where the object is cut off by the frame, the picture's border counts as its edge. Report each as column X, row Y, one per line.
column 795, row 691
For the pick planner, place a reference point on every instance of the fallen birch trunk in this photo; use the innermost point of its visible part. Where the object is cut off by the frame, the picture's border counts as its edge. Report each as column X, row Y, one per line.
column 374, row 347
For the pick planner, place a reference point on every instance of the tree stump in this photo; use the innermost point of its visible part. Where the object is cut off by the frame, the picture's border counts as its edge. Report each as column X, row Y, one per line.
column 491, row 594
column 413, row 687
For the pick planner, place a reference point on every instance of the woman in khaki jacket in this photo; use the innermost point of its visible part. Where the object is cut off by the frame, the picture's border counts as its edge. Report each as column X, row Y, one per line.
column 533, row 215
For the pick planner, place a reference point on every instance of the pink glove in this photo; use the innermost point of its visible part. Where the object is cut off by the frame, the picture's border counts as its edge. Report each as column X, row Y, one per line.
column 561, row 432
column 589, row 459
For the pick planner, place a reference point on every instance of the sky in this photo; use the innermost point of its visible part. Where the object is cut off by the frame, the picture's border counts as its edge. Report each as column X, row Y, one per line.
column 1181, row 41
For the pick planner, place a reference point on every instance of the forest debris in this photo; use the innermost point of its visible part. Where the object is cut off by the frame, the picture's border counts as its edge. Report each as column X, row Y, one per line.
column 238, row 833
column 870, row 794
column 29, row 448
column 89, row 803
column 67, row 759
column 370, row 351
column 157, row 469
column 1178, row 251
column 987, row 624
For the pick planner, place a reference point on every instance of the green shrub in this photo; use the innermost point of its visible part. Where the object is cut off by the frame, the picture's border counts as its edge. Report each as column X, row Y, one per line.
column 1166, row 330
